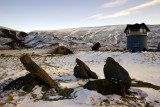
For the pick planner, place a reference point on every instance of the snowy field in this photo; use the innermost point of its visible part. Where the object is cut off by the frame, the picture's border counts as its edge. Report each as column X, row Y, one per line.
column 144, row 66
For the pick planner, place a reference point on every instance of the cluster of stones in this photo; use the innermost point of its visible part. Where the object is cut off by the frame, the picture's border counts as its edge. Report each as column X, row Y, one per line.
column 37, row 76
column 117, row 79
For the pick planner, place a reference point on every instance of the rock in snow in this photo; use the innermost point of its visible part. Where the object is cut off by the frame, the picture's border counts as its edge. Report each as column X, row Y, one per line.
column 96, row 46
column 106, row 87
column 37, row 76
column 27, row 83
column 114, row 71
column 81, row 70
column 37, row 71
column 62, row 50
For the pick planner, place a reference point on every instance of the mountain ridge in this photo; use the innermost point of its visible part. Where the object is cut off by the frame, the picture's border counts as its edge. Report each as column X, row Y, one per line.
column 111, row 35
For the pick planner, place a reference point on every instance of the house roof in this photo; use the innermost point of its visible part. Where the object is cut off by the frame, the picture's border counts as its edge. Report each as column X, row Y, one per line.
column 136, row 27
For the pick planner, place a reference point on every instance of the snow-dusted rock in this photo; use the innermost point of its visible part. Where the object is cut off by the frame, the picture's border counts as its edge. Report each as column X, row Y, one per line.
column 114, row 71
column 62, row 50
column 26, row 83
column 40, row 74
column 106, row 87
column 96, row 46
column 81, row 70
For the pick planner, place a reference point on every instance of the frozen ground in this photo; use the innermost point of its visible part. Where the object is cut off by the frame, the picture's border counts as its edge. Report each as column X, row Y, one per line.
column 142, row 66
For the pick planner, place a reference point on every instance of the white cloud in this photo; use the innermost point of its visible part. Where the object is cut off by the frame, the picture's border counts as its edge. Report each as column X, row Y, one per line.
column 125, row 12
column 114, row 3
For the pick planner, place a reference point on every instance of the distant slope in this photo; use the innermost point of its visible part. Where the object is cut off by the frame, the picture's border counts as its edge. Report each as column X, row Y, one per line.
column 106, row 35
column 11, row 39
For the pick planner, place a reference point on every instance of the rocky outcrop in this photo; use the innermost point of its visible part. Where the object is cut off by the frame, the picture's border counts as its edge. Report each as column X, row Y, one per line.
column 81, row 70
column 62, row 50
column 113, row 70
column 106, row 87
column 96, row 46
column 12, row 39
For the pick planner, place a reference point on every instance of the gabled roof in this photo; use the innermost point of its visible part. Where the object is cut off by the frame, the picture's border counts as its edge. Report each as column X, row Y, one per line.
column 136, row 27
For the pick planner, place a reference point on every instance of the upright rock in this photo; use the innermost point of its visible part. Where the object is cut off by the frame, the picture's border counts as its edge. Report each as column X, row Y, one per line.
column 62, row 50
column 96, row 46
column 113, row 70
column 81, row 70
column 37, row 76
column 106, row 87
column 40, row 75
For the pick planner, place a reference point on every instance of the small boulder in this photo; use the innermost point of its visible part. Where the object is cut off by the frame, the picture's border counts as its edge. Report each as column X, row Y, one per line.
column 106, row 87
column 96, row 46
column 62, row 50
column 81, row 70
column 113, row 70
column 26, row 83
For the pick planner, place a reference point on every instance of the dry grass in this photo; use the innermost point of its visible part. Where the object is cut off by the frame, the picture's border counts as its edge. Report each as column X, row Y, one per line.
column 136, row 83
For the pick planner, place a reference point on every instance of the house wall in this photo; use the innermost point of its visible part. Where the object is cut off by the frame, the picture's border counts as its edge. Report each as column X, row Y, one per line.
column 158, row 46
column 136, row 42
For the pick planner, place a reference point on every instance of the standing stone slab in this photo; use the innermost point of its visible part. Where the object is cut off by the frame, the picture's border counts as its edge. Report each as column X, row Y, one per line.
column 81, row 70
column 40, row 75
column 96, row 46
column 113, row 70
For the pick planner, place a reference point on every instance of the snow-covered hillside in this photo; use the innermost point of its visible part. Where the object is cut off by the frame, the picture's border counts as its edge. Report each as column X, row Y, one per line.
column 106, row 35
column 112, row 35
column 11, row 39
column 142, row 66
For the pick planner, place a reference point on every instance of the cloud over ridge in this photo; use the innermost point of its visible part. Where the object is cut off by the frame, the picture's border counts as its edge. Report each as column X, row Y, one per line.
column 129, row 11
column 114, row 3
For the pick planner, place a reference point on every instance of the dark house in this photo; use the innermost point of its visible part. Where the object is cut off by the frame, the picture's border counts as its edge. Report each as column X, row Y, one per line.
column 136, row 37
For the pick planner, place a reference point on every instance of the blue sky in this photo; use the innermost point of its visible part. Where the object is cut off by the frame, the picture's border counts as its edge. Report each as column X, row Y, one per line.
column 29, row 15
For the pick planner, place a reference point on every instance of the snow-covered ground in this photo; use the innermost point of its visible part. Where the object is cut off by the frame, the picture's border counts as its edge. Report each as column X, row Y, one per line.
column 144, row 66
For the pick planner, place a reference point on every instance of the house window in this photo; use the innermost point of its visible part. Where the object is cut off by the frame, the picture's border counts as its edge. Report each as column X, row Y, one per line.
column 142, row 30
column 128, row 31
